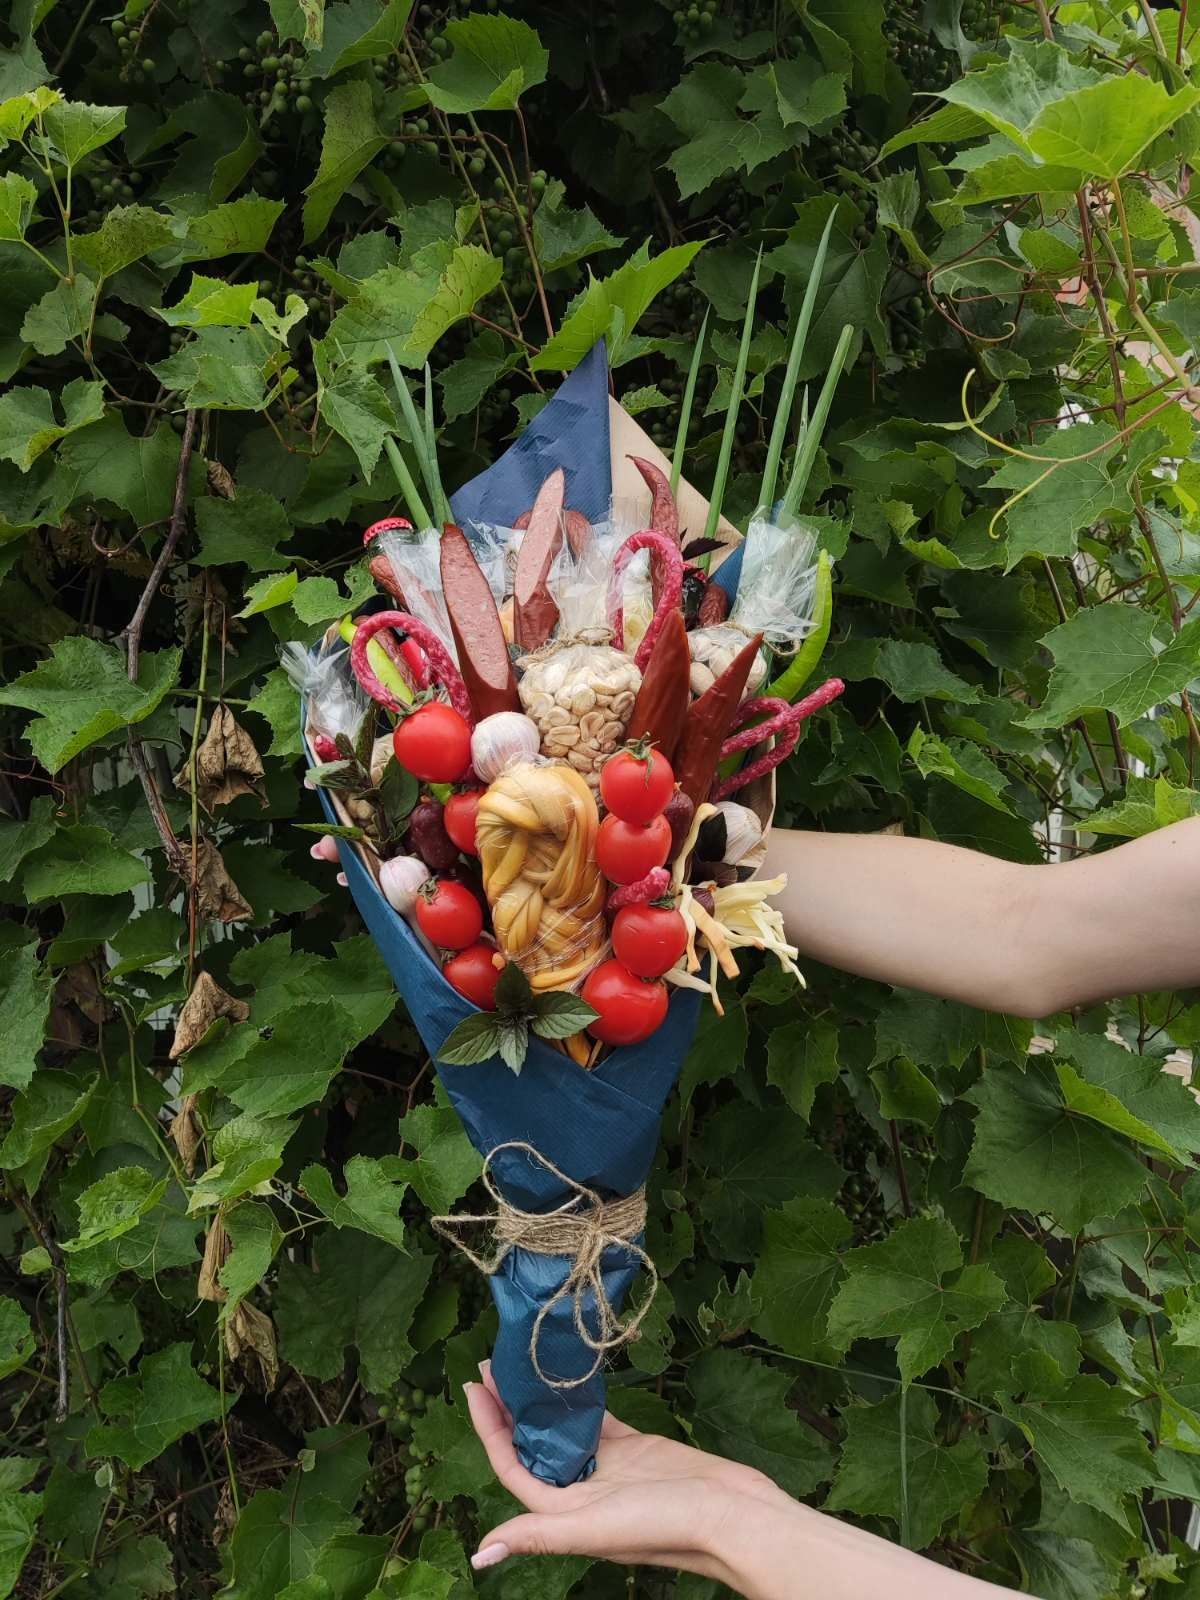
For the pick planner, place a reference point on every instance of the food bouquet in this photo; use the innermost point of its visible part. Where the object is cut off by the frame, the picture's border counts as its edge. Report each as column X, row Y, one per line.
column 547, row 752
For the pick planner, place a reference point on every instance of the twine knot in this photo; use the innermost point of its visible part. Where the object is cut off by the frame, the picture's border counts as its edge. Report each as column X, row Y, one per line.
column 581, row 1229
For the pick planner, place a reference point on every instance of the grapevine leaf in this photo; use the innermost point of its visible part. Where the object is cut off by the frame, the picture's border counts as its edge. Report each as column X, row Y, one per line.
column 371, row 1202
column 239, row 227
column 1109, row 659
column 357, row 31
column 469, row 275
column 352, row 139
column 113, row 1205
column 75, row 129
column 254, row 1237
column 25, row 993
column 211, row 303
column 126, row 235
column 1010, row 95
column 1031, row 1152
column 50, row 1106
column 1080, row 1430
column 1159, row 1104
column 801, row 1056
column 275, row 590
column 613, row 305
column 1102, row 129
column 160, row 1403
column 562, row 236
column 1047, row 520
column 108, row 463
column 942, row 1479
column 82, row 693
column 355, row 405
column 446, row 1163
column 300, row 19
column 706, row 106
column 17, row 199
column 913, row 1286
column 797, row 1272
column 16, row 1347
column 247, row 1151
column 81, row 860
column 741, row 1414
column 445, row 1437
column 247, row 529
column 28, row 425
column 495, row 59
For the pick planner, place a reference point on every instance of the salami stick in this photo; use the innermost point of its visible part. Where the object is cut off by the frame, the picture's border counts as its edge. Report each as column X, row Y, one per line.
column 440, row 661
column 785, row 727
column 534, row 611
column 669, row 595
column 475, row 625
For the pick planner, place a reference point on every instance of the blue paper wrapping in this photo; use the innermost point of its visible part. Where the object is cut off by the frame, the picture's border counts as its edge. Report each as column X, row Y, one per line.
column 599, row 1127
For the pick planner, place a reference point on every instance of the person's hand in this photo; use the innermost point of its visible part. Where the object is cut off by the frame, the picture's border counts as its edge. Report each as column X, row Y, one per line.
column 650, row 1500
column 326, row 849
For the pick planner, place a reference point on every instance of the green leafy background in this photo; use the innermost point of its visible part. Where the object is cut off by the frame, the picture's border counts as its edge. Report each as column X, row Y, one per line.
column 930, row 1280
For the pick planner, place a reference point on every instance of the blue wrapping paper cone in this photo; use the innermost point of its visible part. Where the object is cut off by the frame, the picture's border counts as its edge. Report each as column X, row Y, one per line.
column 599, row 1127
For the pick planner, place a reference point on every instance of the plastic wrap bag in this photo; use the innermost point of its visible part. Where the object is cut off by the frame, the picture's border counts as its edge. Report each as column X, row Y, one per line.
column 775, row 597
column 337, row 704
column 415, row 560
column 536, row 833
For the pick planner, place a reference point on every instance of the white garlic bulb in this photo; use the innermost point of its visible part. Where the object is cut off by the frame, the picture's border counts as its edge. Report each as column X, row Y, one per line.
column 501, row 739
column 401, row 879
column 743, row 830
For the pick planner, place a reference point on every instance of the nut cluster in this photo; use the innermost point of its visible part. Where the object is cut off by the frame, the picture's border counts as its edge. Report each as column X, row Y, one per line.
column 580, row 695
column 713, row 650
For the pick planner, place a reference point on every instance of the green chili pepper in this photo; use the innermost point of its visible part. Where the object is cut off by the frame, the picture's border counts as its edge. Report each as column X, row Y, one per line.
column 804, row 663
column 381, row 663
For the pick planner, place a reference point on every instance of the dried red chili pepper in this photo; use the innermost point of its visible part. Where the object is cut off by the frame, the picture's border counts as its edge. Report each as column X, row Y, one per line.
column 708, row 721
column 662, row 701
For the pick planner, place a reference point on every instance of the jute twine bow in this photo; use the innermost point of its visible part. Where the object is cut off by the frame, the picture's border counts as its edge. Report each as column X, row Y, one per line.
column 581, row 1229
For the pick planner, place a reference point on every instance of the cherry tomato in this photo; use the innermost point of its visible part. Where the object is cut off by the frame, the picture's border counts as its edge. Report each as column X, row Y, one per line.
column 475, row 972
column 459, row 818
column 626, row 851
column 648, row 939
column 449, row 915
column 636, row 787
column 433, row 743
column 629, row 1008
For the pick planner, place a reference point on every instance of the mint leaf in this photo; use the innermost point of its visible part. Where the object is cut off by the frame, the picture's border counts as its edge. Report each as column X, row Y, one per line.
column 558, row 1016
column 514, row 1043
column 474, row 1039
column 514, row 997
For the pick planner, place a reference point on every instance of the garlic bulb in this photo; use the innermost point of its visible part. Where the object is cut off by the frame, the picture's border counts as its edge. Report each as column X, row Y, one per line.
column 401, row 879
column 501, row 739
column 743, row 830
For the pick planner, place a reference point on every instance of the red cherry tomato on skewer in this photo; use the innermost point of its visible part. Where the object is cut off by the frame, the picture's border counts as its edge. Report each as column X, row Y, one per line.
column 626, row 851
column 636, row 787
column 475, row 972
column 649, row 940
column 629, row 1008
column 449, row 915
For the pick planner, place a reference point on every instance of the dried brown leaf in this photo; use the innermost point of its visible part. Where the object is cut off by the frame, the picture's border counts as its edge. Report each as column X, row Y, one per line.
column 220, row 481
column 227, row 764
column 203, row 1006
column 186, row 1133
column 218, row 898
column 216, row 1253
column 250, row 1338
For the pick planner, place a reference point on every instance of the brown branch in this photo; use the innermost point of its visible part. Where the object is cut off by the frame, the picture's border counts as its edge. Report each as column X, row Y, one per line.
column 176, row 855
column 901, row 1176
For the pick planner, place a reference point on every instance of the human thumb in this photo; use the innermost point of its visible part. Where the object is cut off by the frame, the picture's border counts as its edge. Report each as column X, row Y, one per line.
column 530, row 1535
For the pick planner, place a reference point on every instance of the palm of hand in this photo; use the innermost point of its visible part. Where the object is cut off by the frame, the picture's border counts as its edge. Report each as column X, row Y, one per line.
column 650, row 1500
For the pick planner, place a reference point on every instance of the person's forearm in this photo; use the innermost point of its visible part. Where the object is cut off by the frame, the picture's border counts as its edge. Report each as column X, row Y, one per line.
column 1030, row 940
column 786, row 1551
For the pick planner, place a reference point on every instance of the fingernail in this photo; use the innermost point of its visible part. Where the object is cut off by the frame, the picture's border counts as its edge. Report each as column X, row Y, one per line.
column 490, row 1556
column 314, row 851
column 468, row 1386
column 341, row 878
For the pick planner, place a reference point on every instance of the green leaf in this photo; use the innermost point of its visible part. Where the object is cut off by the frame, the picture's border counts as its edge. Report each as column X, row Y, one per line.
column 357, row 31
column 17, row 1346
column 1161, row 1105
column 706, row 105
column 365, row 1295
column 247, row 1151
column 613, row 306
column 82, row 693
column 300, row 19
column 796, row 1274
column 912, row 1286
column 157, row 1406
column 239, row 227
column 51, row 1105
column 126, row 234
column 1080, row 1431
column 718, row 1048
column 513, row 1043
column 137, row 473
column 558, row 1016
column 801, row 1056
column 292, row 1062
column 61, row 316
column 1030, row 1152
column 255, row 1238
column 1010, row 95
column 278, row 703
column 469, row 275
column 246, row 530
column 75, row 129
column 81, row 860
column 211, row 303
column 851, row 284
column 1146, row 805
column 1047, row 520
column 268, row 594
column 905, row 1093
column 805, row 94
column 17, row 199
column 495, row 59
column 356, row 406
column 476, row 1038
column 25, row 994
column 27, row 421
column 446, row 1164
column 741, row 1414
column 352, row 139
column 1109, row 659
column 371, row 1202
column 223, row 369
column 942, row 1479
column 444, row 1436
column 562, row 236
column 113, row 1205
column 962, row 763
column 1103, row 129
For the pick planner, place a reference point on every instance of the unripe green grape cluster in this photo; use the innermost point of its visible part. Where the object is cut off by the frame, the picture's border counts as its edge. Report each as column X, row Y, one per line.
column 925, row 65
column 695, row 21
